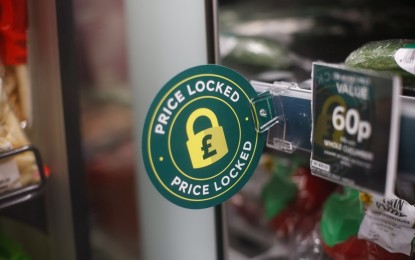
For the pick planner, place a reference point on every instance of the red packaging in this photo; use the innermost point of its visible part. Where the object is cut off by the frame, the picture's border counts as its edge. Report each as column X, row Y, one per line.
column 13, row 31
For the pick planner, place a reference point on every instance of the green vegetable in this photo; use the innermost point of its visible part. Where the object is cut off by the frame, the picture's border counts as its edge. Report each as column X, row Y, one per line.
column 380, row 56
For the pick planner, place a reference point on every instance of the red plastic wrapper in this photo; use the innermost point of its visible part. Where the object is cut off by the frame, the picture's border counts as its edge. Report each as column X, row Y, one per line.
column 292, row 221
column 303, row 213
column 13, row 31
column 358, row 249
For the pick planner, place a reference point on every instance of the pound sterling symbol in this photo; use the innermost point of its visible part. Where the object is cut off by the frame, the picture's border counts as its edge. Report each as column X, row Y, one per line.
column 206, row 146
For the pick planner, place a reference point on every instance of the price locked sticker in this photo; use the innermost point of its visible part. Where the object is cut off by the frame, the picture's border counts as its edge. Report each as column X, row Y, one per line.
column 355, row 127
column 199, row 142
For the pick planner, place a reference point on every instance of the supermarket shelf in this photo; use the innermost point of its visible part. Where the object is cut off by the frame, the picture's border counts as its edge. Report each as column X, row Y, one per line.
column 294, row 131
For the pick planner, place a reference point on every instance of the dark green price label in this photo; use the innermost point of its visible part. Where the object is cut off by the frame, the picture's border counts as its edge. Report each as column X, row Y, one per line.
column 199, row 140
column 355, row 127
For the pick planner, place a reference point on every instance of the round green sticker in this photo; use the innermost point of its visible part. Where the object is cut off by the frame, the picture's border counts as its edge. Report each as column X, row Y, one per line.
column 200, row 145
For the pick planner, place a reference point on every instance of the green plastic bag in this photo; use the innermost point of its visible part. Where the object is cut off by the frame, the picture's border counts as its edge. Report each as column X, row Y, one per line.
column 341, row 218
column 281, row 190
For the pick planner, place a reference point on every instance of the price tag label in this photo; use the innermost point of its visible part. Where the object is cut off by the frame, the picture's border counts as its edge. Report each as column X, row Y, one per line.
column 355, row 127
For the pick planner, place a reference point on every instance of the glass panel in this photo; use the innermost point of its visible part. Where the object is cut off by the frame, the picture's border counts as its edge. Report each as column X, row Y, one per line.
column 277, row 214
column 107, row 134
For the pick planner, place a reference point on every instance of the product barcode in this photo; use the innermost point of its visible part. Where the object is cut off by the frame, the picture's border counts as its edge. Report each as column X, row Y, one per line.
column 320, row 165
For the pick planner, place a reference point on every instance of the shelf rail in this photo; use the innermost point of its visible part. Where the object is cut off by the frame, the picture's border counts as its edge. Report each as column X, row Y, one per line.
column 293, row 132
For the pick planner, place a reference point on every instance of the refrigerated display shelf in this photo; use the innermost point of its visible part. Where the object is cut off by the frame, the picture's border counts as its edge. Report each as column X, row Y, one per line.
column 293, row 132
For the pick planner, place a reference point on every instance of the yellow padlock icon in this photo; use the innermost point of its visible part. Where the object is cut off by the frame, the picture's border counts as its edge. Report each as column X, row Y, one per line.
column 207, row 146
column 325, row 120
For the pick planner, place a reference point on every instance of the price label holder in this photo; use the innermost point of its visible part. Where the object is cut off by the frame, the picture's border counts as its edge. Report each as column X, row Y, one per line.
column 355, row 127
column 292, row 130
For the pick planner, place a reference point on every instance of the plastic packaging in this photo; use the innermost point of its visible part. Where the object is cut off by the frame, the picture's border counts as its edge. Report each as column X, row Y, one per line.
column 340, row 222
column 17, row 87
column 381, row 56
column 293, row 199
column 20, row 170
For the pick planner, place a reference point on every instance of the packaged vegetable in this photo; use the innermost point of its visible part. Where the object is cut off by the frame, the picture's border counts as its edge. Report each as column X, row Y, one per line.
column 395, row 56
column 342, row 216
